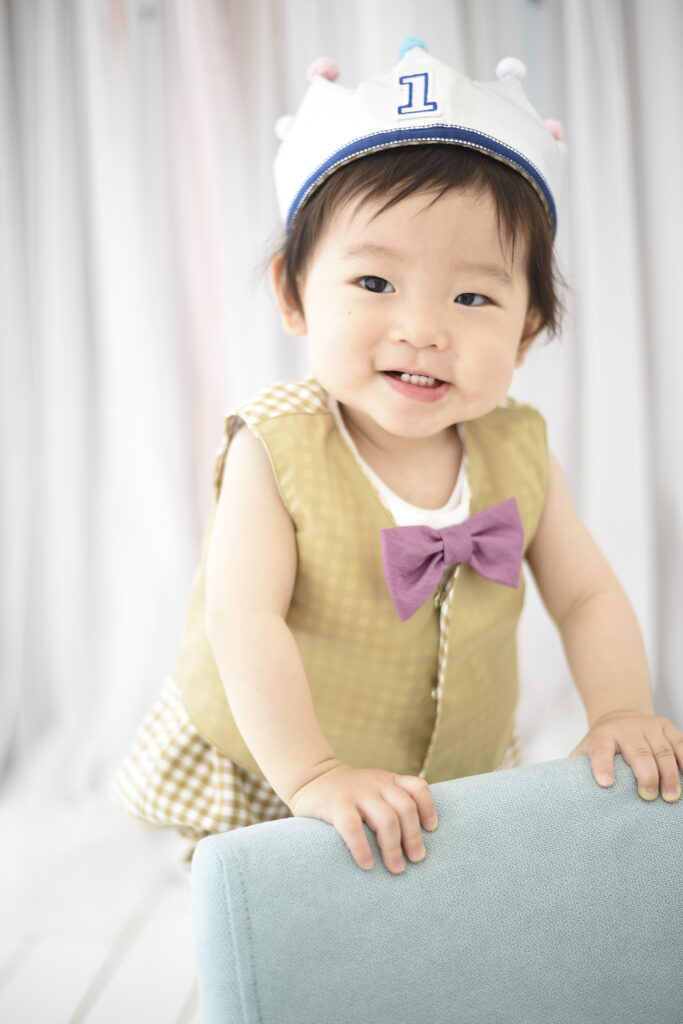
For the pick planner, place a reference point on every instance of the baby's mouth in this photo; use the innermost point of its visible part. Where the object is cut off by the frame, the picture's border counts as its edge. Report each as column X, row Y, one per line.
column 416, row 378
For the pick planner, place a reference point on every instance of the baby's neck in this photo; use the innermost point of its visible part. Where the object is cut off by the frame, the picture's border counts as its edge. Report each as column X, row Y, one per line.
column 421, row 471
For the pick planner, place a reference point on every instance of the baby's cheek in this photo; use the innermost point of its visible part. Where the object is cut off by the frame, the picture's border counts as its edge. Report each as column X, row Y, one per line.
column 489, row 377
column 499, row 370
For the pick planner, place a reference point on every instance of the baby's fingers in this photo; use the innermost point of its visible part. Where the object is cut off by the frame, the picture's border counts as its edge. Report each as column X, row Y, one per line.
column 405, row 807
column 385, row 823
column 602, row 749
column 653, row 760
column 349, row 825
column 424, row 801
column 647, row 743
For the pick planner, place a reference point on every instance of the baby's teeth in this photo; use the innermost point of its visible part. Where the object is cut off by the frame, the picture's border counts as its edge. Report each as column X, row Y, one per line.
column 414, row 378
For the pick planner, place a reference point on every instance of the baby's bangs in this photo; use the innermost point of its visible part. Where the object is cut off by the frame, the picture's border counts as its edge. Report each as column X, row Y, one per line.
column 392, row 175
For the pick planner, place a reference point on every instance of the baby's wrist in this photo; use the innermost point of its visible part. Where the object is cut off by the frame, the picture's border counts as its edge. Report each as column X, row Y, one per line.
column 619, row 713
column 304, row 776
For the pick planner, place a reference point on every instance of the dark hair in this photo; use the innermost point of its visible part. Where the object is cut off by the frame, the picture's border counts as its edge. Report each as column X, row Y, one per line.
column 396, row 173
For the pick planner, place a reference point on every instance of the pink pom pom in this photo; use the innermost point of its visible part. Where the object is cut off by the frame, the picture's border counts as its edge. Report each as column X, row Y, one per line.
column 323, row 67
column 556, row 130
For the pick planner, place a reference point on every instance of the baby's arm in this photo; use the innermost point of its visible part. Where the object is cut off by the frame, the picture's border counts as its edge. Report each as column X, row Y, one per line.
column 251, row 569
column 604, row 648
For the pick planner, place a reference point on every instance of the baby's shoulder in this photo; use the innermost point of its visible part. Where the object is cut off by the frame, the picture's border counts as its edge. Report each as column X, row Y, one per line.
column 512, row 434
column 273, row 403
column 511, row 416
column 304, row 396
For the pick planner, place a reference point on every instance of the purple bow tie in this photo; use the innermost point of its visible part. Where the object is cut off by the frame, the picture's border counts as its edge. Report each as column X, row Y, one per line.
column 414, row 557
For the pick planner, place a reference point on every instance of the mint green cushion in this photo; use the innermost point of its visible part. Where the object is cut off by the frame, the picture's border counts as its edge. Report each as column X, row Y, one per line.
column 543, row 899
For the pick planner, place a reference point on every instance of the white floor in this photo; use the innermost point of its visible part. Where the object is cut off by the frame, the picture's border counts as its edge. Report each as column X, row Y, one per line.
column 95, row 923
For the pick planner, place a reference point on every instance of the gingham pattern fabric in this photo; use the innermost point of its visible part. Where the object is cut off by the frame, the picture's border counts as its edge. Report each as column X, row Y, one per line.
column 171, row 776
column 514, row 755
column 444, row 599
column 297, row 396
column 448, row 692
column 175, row 775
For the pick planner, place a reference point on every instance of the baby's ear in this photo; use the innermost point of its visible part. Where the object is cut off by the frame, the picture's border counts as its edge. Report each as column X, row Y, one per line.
column 533, row 325
column 291, row 314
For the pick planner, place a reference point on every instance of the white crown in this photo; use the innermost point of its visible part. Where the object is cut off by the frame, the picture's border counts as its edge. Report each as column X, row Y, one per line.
column 421, row 100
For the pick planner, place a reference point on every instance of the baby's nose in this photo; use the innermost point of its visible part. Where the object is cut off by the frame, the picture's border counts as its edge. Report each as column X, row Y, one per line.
column 423, row 331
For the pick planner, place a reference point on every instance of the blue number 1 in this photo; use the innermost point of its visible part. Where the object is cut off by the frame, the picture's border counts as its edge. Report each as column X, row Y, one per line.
column 412, row 107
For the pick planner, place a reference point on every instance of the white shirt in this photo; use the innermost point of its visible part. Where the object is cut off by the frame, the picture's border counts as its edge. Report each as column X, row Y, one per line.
column 456, row 509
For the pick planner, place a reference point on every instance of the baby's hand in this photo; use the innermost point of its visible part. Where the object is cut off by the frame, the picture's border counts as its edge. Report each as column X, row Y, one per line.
column 394, row 807
column 651, row 745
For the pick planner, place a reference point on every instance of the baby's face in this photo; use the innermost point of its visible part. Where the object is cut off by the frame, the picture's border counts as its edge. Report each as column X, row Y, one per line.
column 416, row 316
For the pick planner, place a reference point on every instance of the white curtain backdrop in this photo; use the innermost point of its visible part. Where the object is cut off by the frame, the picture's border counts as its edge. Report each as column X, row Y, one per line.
column 136, row 214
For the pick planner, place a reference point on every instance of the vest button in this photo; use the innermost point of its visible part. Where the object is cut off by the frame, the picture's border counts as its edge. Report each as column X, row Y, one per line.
column 435, row 693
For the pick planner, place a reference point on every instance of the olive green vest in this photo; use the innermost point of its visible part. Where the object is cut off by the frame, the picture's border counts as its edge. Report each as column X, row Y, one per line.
column 435, row 695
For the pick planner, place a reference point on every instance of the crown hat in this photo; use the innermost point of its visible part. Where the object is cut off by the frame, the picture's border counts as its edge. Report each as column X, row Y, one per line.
column 422, row 100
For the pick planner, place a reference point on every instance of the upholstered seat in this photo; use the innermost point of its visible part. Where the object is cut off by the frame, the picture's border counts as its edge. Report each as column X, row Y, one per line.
column 543, row 899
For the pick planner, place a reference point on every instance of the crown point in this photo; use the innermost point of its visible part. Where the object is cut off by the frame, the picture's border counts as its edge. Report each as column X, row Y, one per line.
column 511, row 67
column 323, row 67
column 409, row 43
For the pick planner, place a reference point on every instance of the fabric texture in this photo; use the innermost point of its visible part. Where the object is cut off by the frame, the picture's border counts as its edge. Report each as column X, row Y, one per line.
column 114, row 381
column 415, row 557
column 421, row 100
column 455, row 510
column 417, row 697
column 171, row 776
column 543, row 899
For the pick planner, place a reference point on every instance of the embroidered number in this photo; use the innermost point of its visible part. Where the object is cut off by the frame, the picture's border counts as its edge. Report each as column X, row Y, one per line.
column 418, row 94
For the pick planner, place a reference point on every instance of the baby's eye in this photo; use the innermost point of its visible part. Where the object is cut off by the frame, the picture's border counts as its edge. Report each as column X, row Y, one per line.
column 471, row 299
column 375, row 284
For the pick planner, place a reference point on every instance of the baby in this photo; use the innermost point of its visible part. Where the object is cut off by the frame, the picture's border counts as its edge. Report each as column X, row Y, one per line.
column 352, row 629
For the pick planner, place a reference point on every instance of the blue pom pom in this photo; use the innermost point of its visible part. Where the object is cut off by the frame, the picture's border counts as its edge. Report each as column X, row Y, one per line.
column 409, row 43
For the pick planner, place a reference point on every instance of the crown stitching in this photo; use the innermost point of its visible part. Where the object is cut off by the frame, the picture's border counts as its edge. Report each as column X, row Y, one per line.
column 387, row 131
